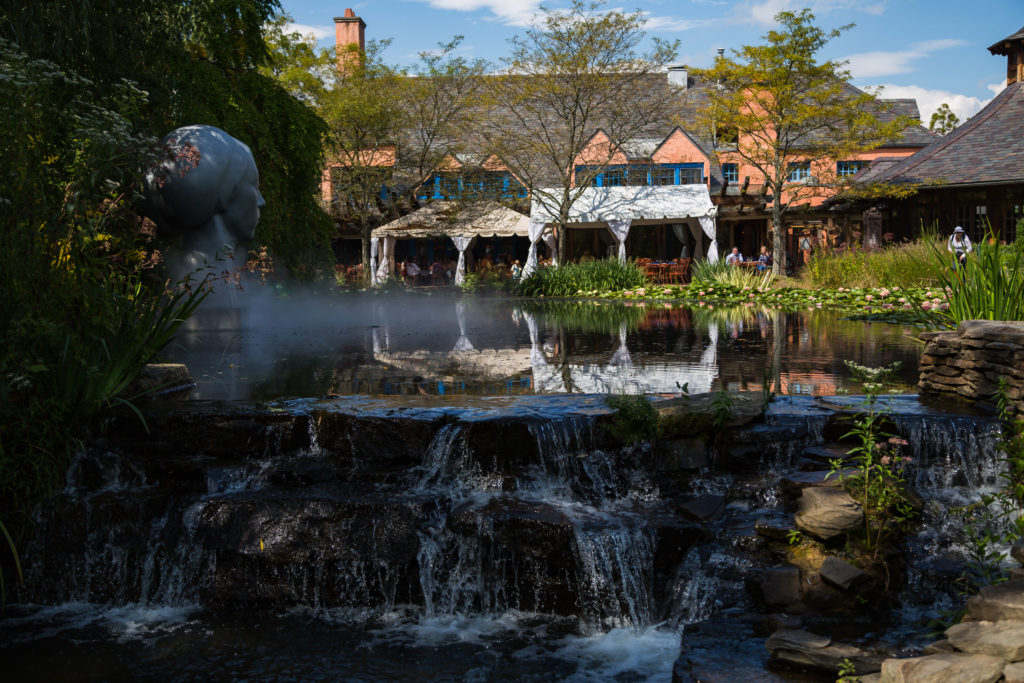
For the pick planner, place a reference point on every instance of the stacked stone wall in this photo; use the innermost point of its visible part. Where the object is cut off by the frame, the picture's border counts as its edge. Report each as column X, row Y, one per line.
column 968, row 362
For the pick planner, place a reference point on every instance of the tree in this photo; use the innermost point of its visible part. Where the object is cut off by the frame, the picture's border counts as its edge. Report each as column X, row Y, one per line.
column 295, row 62
column 571, row 73
column 791, row 113
column 943, row 121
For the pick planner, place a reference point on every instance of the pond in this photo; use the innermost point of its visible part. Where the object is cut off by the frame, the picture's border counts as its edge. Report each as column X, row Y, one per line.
column 443, row 346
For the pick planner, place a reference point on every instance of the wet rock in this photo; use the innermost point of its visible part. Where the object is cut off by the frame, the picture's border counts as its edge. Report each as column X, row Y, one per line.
column 1017, row 551
column 779, row 586
column 773, row 528
column 776, row 622
column 997, row 603
column 943, row 668
column 1003, row 639
column 826, row 513
column 681, row 454
column 825, row 454
column 938, row 647
column 160, row 379
column 703, row 508
column 792, row 485
column 693, row 415
column 805, row 649
column 842, row 574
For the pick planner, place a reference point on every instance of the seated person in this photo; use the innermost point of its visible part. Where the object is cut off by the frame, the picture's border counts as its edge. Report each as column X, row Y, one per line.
column 764, row 259
column 412, row 271
column 587, row 257
column 516, row 270
column 734, row 257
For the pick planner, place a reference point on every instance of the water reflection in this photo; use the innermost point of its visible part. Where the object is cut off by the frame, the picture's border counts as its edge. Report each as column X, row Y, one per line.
column 480, row 346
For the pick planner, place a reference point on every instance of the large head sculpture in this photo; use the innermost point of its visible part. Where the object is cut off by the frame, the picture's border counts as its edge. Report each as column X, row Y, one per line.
column 206, row 191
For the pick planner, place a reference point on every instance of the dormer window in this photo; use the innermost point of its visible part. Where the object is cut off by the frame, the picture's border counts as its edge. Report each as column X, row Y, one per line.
column 845, row 169
column 799, row 171
column 639, row 175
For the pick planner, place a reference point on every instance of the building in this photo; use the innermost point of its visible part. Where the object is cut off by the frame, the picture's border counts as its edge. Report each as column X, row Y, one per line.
column 669, row 190
column 974, row 176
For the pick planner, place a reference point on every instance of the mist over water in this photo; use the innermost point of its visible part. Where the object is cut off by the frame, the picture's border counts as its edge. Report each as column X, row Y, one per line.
column 262, row 344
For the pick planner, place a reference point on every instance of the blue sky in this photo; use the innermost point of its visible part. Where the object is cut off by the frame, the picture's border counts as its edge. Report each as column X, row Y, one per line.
column 931, row 50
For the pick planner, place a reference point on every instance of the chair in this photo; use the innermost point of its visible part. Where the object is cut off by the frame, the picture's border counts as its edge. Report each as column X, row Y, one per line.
column 437, row 274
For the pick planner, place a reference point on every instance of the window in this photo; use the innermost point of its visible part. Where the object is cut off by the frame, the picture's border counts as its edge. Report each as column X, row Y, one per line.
column 663, row 176
column 691, row 176
column 849, row 168
column 731, row 172
column 799, row 171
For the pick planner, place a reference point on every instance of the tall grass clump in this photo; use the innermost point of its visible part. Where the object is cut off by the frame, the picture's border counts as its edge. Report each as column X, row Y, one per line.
column 902, row 265
column 581, row 279
column 989, row 287
column 719, row 273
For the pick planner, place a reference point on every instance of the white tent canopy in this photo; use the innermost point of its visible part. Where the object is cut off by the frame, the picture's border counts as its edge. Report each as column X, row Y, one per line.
column 620, row 208
column 447, row 218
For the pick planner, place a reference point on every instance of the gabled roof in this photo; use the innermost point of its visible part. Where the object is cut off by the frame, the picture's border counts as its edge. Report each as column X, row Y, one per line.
column 988, row 148
column 1000, row 47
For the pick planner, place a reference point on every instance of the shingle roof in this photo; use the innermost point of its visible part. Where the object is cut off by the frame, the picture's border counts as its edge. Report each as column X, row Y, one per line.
column 988, row 148
column 999, row 48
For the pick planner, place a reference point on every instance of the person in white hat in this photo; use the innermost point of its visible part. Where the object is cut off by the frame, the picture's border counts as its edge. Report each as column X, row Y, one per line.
column 959, row 244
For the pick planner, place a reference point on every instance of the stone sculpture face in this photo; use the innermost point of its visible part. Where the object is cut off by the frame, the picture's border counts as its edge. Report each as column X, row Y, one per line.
column 206, row 191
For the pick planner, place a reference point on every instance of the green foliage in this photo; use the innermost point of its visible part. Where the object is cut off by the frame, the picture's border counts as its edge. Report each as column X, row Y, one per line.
column 197, row 62
column 793, row 536
column 804, row 112
column 721, row 406
column 585, row 279
column 902, row 265
column 76, row 322
column 635, row 418
column 720, row 273
column 943, row 121
column 847, row 672
column 584, row 315
column 879, row 484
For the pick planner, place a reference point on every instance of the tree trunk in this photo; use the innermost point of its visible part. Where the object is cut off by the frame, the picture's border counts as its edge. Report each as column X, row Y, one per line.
column 367, row 278
column 778, row 240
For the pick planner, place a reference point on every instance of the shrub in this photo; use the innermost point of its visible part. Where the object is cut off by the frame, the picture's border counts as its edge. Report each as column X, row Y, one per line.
column 901, row 265
column 635, row 419
column 721, row 274
column 582, row 279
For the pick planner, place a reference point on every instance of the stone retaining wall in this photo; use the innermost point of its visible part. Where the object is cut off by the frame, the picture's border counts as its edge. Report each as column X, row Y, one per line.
column 967, row 363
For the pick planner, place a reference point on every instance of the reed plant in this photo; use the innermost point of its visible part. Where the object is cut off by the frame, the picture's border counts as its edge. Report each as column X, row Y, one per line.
column 989, row 287
column 900, row 265
column 584, row 279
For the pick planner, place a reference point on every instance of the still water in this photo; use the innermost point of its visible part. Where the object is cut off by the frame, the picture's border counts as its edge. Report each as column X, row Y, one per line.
column 444, row 346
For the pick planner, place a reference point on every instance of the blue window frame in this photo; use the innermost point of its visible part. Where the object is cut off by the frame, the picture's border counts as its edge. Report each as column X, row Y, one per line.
column 731, row 172
column 845, row 169
column 494, row 184
column 799, row 171
column 618, row 175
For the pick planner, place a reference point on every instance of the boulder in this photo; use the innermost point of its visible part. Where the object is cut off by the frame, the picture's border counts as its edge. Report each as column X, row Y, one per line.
column 842, row 574
column 997, row 603
column 808, row 650
column 703, row 508
column 773, row 528
column 1014, row 673
column 1003, row 639
column 1017, row 551
column 681, row 454
column 826, row 513
column 160, row 379
column 943, row 668
column 793, row 484
column 779, row 586
column 938, row 647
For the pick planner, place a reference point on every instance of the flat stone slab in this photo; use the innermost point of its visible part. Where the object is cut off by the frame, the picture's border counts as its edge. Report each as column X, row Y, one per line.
column 1014, row 673
column 943, row 668
column 794, row 483
column 703, row 508
column 997, row 603
column 842, row 574
column 692, row 415
column 805, row 649
column 1003, row 639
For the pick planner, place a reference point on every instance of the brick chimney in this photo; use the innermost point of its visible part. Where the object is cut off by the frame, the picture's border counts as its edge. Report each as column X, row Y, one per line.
column 348, row 30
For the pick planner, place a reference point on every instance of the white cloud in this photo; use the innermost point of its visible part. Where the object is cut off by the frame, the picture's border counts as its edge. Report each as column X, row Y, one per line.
column 319, row 32
column 964, row 106
column 763, row 11
column 673, row 23
column 511, row 12
column 886, row 63
column 996, row 88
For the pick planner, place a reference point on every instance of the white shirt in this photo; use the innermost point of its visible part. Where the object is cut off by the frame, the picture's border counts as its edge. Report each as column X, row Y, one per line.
column 412, row 269
column 737, row 257
column 959, row 246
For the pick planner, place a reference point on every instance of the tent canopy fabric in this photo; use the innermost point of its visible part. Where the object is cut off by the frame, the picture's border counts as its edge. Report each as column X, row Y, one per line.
column 598, row 205
column 447, row 218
